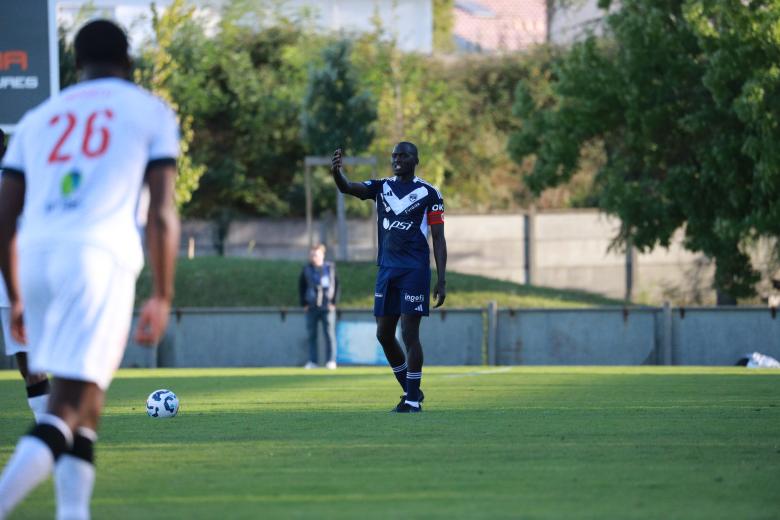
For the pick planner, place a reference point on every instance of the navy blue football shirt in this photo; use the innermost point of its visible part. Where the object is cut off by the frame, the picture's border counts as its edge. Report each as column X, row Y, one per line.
column 404, row 212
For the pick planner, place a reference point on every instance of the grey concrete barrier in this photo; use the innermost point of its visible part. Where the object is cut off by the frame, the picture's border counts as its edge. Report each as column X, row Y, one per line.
column 240, row 337
column 234, row 338
column 602, row 336
column 237, row 337
column 706, row 336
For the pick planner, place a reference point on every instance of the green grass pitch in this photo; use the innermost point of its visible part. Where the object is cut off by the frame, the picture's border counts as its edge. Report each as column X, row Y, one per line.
column 493, row 442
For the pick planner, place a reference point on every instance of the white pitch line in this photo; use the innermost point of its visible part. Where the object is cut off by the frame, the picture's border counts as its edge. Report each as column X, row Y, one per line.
column 482, row 372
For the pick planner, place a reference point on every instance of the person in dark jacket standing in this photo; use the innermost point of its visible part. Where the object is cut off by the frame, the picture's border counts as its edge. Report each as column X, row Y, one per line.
column 318, row 288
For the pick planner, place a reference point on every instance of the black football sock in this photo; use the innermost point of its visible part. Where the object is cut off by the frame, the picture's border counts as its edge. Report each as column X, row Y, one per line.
column 400, row 375
column 38, row 397
column 413, row 380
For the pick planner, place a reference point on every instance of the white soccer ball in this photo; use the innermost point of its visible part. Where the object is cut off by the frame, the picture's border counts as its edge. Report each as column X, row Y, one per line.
column 162, row 403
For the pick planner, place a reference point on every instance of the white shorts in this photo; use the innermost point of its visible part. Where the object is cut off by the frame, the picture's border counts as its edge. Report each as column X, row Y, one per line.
column 78, row 306
column 11, row 346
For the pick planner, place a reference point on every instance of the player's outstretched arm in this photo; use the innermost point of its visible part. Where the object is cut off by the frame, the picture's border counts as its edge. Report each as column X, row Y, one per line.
column 11, row 202
column 162, row 237
column 357, row 189
column 440, row 257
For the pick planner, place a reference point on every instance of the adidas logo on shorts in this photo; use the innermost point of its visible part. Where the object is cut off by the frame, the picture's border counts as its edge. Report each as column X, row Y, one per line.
column 419, row 308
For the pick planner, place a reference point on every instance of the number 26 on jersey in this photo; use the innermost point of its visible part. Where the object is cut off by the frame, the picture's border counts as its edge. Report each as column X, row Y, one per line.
column 94, row 140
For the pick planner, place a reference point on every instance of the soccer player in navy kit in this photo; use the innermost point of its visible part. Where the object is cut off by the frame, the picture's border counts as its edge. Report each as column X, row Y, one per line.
column 406, row 206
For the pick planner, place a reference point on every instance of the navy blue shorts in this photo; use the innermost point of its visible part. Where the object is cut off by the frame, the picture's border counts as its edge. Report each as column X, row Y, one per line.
column 402, row 291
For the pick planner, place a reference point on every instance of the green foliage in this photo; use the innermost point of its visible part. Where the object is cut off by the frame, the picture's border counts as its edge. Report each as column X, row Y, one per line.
column 67, row 53
column 480, row 171
column 683, row 99
column 244, row 88
column 155, row 69
column 335, row 114
column 159, row 74
column 67, row 57
column 415, row 103
column 443, row 22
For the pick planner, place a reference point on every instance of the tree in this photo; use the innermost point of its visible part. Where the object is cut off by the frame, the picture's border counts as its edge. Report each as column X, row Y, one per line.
column 242, row 85
column 158, row 71
column 481, row 175
column 682, row 96
column 335, row 113
column 67, row 55
column 443, row 22
column 415, row 102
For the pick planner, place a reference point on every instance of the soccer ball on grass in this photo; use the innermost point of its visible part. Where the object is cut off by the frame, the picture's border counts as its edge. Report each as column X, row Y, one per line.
column 162, row 403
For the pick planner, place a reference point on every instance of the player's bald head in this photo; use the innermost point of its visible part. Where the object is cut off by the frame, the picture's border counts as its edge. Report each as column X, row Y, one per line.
column 406, row 146
column 101, row 43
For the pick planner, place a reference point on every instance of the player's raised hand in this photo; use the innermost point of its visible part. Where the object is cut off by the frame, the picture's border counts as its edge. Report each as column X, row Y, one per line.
column 440, row 293
column 336, row 161
column 153, row 321
column 17, row 323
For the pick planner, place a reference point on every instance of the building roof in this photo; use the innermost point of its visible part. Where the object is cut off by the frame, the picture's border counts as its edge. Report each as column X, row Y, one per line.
column 499, row 25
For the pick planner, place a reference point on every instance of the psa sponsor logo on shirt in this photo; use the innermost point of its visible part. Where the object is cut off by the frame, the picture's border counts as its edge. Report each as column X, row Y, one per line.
column 16, row 61
column 396, row 224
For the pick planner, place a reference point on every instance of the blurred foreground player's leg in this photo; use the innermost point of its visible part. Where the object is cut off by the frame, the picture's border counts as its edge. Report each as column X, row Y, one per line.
column 37, row 384
column 80, row 161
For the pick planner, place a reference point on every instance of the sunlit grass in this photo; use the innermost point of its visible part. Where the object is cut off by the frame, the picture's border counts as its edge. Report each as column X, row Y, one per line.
column 493, row 442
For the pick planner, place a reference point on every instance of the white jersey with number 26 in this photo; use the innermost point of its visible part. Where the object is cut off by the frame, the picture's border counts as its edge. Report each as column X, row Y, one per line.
column 83, row 155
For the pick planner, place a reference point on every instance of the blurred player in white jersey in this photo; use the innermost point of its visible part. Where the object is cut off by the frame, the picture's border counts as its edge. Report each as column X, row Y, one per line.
column 74, row 171
column 37, row 384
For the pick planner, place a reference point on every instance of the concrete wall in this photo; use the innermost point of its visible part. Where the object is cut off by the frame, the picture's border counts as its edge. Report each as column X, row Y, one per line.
column 409, row 22
column 572, row 250
column 674, row 274
column 703, row 337
column 571, row 22
column 486, row 245
column 564, row 249
column 489, row 245
column 576, row 337
column 601, row 336
column 706, row 336
column 274, row 337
